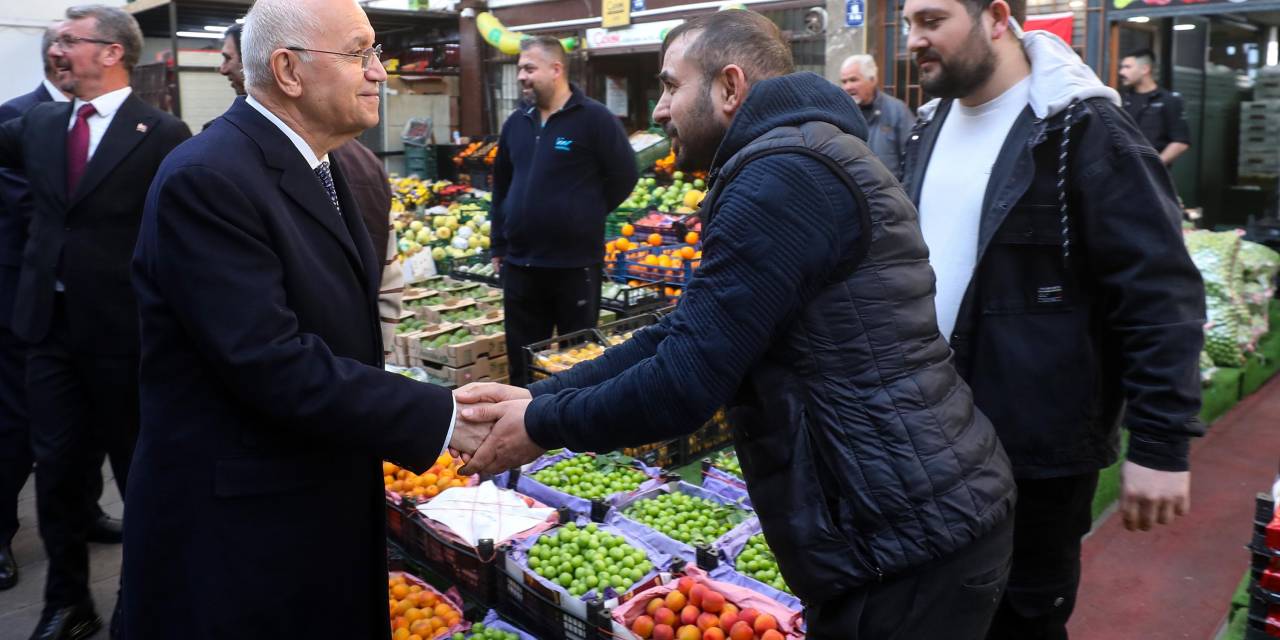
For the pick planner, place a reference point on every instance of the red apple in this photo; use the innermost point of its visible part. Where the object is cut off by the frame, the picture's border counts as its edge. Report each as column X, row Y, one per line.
column 712, row 601
column 685, row 585
column 696, row 594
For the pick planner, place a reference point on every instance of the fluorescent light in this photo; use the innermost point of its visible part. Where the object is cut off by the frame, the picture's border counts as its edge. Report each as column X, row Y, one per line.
column 1184, row 27
column 209, row 27
column 1076, row 4
column 1139, row 19
column 200, row 34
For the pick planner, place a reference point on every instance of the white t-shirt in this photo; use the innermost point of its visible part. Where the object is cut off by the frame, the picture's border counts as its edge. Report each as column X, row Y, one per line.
column 951, row 196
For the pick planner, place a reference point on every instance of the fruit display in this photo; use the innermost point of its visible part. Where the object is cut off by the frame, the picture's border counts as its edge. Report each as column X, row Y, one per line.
column 678, row 197
column 460, row 336
column 757, row 561
column 486, row 152
column 592, row 476
column 1216, row 256
column 727, row 461
column 441, row 476
column 585, row 559
column 409, row 325
column 417, row 611
column 482, row 269
column 687, row 518
column 662, row 263
column 458, row 231
column 463, row 314
column 480, row 632
column 565, row 359
column 698, row 610
column 630, row 294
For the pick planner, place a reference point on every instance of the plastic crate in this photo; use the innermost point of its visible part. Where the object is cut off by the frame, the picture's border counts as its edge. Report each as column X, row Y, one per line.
column 538, row 369
column 421, row 161
column 663, row 454
column 615, row 333
column 473, row 570
column 715, row 434
column 618, row 217
column 542, row 611
column 633, row 300
column 630, row 265
column 456, row 270
column 671, row 234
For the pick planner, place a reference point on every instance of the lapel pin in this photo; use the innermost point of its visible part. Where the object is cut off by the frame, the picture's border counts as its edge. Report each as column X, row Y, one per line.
column 142, row 128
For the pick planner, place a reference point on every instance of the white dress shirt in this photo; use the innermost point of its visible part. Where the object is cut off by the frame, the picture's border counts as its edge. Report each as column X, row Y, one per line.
column 58, row 95
column 107, row 105
column 309, row 155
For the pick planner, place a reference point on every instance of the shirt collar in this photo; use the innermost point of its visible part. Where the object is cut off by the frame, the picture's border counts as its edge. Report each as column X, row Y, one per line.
column 106, row 104
column 54, row 92
column 305, row 149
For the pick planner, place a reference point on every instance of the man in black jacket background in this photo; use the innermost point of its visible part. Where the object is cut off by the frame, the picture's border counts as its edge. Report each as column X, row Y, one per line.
column 563, row 164
column 1063, row 274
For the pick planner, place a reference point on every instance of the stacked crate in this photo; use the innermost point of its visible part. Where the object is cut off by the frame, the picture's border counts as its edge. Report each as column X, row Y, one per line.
column 1260, row 137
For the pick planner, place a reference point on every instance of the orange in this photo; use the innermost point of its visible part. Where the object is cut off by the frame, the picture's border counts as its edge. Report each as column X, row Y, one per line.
column 432, row 491
column 623, row 244
column 655, row 239
column 664, row 261
column 430, row 600
column 413, row 614
column 387, row 480
column 628, row 230
column 413, row 588
column 610, row 246
column 403, row 606
column 421, row 627
column 443, row 610
column 399, row 591
column 400, row 634
column 651, row 260
column 444, row 460
column 389, row 469
column 415, row 636
column 429, row 478
column 437, row 622
column 455, row 483
column 691, row 237
column 686, row 253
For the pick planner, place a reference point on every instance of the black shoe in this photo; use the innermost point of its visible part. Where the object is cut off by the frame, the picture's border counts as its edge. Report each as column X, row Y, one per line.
column 8, row 568
column 107, row 530
column 68, row 623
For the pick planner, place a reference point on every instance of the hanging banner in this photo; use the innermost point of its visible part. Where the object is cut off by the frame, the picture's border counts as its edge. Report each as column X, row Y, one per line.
column 1059, row 24
column 615, row 13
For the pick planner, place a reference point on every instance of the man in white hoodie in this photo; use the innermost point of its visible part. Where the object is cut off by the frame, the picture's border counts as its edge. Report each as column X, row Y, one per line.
column 1063, row 285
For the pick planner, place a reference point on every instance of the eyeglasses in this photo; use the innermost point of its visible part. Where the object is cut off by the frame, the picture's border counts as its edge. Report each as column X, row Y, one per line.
column 66, row 41
column 365, row 56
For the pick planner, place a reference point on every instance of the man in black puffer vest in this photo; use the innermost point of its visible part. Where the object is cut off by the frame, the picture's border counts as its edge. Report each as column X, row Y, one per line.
column 883, row 492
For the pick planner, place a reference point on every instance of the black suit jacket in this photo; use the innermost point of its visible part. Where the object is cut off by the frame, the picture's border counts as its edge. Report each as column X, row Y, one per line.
column 85, row 239
column 15, row 208
column 265, row 407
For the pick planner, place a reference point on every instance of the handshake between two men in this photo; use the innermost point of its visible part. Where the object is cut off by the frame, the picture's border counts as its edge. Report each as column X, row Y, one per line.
column 489, row 433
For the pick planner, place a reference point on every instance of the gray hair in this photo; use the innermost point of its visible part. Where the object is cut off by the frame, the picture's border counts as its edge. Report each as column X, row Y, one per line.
column 116, row 25
column 50, row 35
column 271, row 25
column 866, row 64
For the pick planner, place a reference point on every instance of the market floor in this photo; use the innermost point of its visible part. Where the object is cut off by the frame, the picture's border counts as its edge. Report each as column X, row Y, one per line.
column 20, row 606
column 1177, row 581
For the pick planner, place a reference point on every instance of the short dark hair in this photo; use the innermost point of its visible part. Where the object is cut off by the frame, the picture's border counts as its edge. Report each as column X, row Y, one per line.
column 1144, row 56
column 549, row 45
column 46, row 41
column 234, row 32
column 734, row 36
column 116, row 25
column 1017, row 8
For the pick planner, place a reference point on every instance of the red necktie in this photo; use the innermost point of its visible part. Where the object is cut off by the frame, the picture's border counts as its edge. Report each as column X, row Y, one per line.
column 78, row 147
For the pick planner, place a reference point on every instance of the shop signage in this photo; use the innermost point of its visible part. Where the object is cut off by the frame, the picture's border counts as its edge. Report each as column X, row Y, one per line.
column 615, row 13
column 636, row 35
column 854, row 13
column 1169, row 4
column 637, row 5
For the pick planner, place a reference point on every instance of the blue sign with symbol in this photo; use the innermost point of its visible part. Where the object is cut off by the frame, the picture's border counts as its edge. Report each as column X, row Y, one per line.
column 637, row 5
column 854, row 13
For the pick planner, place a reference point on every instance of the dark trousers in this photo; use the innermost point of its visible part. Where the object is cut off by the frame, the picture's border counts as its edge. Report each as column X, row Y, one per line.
column 1050, row 520
column 15, row 436
column 80, row 404
column 540, row 302
column 952, row 598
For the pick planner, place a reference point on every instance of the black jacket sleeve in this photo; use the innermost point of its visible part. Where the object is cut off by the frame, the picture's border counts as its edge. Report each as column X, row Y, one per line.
column 1153, row 295
column 617, row 161
column 11, row 144
column 1174, row 121
column 502, row 170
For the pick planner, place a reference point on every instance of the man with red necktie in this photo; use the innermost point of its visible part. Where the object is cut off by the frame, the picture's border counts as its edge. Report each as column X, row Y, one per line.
column 90, row 163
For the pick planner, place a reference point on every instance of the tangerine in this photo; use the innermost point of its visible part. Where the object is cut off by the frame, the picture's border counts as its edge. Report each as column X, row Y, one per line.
column 628, row 230
column 655, row 239
column 691, row 237
column 686, row 253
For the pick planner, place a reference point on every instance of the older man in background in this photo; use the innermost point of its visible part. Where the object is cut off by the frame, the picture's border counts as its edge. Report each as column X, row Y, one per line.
column 889, row 120
column 265, row 405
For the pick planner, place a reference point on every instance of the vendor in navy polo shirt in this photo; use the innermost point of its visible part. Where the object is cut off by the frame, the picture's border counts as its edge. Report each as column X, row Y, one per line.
column 564, row 162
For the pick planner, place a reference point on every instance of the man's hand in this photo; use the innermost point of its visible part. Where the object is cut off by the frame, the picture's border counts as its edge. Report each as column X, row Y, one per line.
column 497, row 264
column 1148, row 496
column 489, row 392
column 508, row 445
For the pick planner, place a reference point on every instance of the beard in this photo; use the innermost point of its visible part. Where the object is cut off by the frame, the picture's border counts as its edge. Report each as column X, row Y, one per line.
column 696, row 142
column 965, row 73
column 536, row 95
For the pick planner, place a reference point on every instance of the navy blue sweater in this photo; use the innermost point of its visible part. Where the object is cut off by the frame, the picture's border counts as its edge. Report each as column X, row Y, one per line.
column 778, row 231
column 555, row 182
